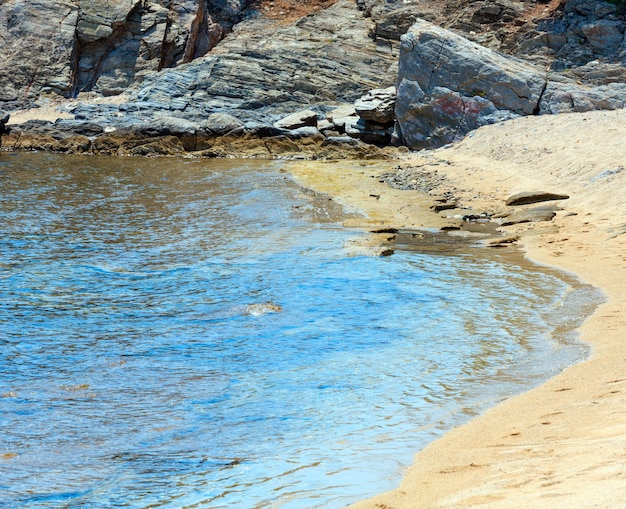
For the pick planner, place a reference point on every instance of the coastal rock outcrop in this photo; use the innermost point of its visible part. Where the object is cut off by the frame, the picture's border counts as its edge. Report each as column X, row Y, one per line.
column 365, row 71
column 324, row 59
column 448, row 85
column 69, row 46
column 236, row 97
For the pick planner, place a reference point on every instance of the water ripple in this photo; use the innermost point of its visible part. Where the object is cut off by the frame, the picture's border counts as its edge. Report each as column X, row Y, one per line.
column 184, row 333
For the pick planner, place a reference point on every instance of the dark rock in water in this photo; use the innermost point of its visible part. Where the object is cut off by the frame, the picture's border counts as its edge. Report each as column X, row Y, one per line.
column 385, row 230
column 528, row 216
column 528, row 197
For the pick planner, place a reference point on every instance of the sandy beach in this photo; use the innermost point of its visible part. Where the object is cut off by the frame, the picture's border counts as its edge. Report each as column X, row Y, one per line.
column 563, row 444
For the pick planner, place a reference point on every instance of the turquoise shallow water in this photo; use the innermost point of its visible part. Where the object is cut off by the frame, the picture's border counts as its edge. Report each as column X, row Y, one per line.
column 134, row 373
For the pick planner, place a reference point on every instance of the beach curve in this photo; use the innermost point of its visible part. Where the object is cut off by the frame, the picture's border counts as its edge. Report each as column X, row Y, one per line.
column 562, row 444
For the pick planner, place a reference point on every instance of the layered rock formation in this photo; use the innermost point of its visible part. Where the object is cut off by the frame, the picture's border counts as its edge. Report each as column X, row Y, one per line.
column 230, row 99
column 71, row 46
column 218, row 77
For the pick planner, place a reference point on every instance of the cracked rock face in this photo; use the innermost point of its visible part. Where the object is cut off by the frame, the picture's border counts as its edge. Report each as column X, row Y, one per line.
column 103, row 46
column 29, row 30
column 265, row 70
column 448, row 86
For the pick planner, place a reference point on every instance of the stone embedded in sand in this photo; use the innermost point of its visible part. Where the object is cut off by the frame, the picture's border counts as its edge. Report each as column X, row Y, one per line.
column 502, row 241
column 528, row 197
column 529, row 216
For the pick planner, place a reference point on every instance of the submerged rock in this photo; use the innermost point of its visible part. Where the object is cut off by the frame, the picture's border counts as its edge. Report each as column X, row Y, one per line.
column 262, row 309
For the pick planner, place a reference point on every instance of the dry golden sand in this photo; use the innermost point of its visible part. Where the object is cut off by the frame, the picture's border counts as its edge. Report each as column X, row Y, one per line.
column 563, row 444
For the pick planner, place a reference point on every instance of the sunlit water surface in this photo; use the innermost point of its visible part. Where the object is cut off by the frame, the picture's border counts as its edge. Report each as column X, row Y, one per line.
column 140, row 367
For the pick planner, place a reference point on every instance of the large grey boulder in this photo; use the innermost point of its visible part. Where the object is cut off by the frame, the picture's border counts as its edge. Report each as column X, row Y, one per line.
column 435, row 57
column 448, row 85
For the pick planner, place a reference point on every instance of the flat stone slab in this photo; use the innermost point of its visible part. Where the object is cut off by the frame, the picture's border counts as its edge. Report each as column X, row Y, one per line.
column 529, row 216
column 501, row 241
column 299, row 119
column 528, row 197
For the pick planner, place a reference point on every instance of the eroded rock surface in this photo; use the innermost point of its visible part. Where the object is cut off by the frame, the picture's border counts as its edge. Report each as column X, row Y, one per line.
column 449, row 85
column 70, row 46
column 221, row 75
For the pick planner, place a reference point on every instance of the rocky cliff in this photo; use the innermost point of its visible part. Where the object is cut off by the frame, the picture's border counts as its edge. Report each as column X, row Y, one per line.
column 219, row 77
column 104, row 46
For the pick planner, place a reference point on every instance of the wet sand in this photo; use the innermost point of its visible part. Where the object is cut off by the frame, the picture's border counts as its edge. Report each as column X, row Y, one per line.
column 562, row 444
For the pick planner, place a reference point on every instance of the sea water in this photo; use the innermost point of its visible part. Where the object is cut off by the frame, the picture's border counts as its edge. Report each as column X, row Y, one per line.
column 191, row 333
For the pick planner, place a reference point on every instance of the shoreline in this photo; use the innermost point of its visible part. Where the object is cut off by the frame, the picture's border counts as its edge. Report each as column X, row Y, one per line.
column 563, row 443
